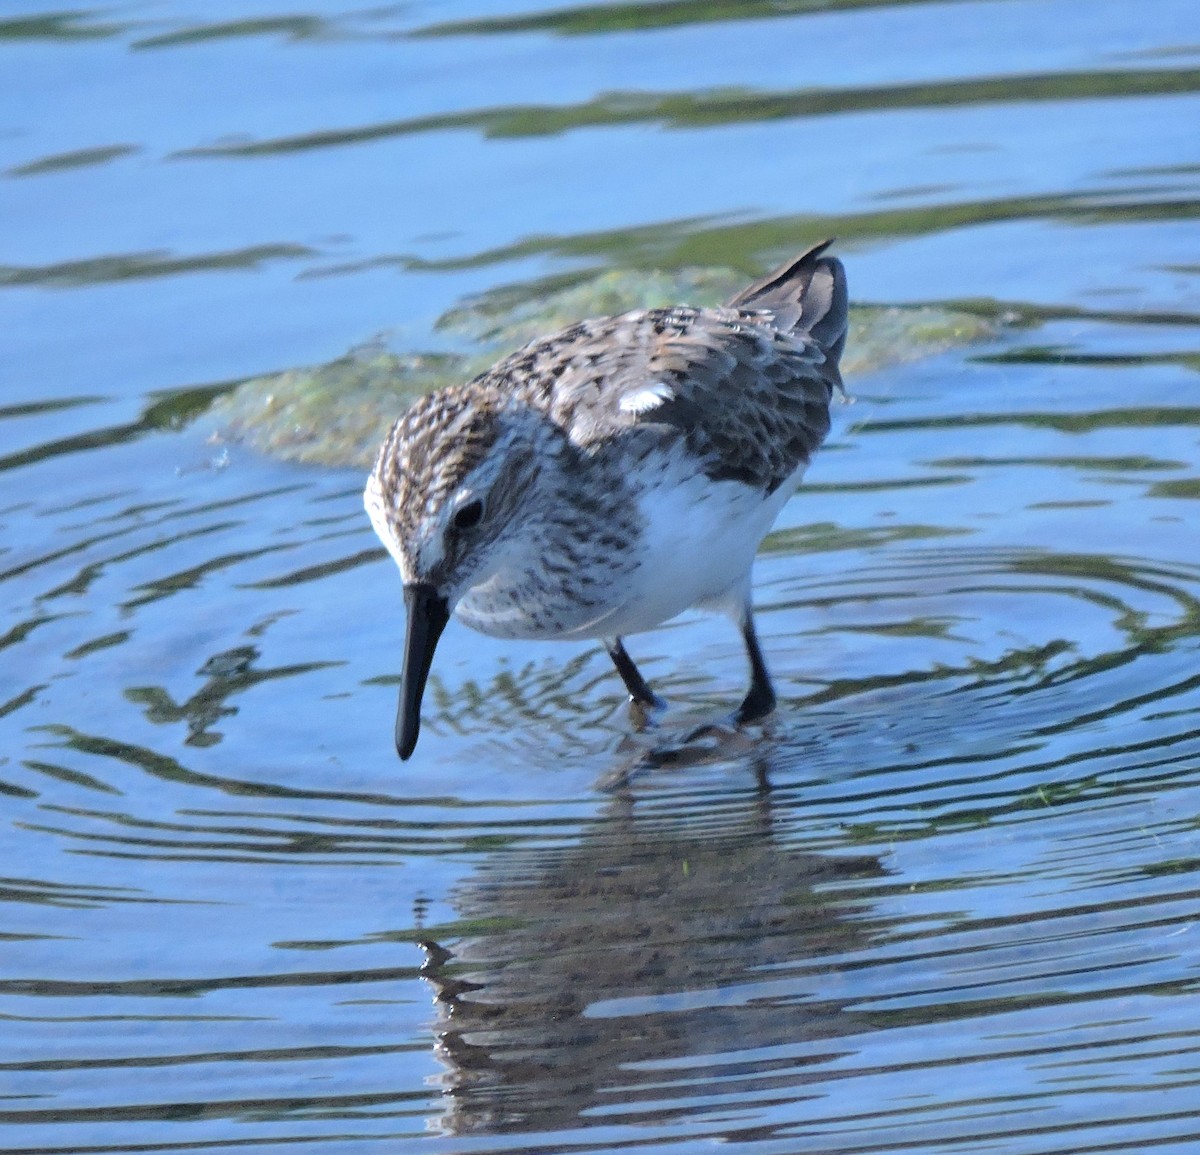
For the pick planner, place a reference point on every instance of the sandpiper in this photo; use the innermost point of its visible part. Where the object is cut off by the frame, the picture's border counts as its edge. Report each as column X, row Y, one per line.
column 599, row 481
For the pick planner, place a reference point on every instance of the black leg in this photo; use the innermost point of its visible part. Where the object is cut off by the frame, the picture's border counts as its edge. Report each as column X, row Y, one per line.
column 760, row 701
column 639, row 691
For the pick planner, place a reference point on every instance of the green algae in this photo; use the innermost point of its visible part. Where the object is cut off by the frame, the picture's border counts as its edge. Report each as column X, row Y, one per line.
column 337, row 414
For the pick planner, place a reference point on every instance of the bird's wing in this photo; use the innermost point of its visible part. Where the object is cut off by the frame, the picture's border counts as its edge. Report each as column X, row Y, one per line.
column 751, row 403
column 747, row 387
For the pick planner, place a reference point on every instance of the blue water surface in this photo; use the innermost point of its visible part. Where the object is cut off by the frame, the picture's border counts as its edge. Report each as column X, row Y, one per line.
column 945, row 902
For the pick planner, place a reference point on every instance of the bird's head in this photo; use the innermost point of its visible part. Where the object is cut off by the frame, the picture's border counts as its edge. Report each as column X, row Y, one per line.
column 453, row 476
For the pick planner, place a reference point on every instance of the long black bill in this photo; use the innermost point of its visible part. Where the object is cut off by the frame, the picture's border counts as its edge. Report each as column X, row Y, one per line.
column 428, row 613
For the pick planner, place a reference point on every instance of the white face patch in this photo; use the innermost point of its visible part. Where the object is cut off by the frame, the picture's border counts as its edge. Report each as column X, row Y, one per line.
column 430, row 548
column 643, row 400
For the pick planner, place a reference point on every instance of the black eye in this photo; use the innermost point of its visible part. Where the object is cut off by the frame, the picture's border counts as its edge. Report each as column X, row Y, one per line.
column 469, row 516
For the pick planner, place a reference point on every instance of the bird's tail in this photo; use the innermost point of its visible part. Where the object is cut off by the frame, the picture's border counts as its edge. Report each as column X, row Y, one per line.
column 806, row 296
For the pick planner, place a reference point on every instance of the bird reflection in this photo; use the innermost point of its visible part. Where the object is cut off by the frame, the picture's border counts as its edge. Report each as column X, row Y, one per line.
column 643, row 944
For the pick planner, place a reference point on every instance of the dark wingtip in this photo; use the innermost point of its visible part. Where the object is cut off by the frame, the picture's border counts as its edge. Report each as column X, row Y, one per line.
column 792, row 276
column 807, row 296
column 816, row 250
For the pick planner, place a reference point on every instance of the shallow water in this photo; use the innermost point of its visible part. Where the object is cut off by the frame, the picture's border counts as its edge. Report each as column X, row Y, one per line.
column 947, row 901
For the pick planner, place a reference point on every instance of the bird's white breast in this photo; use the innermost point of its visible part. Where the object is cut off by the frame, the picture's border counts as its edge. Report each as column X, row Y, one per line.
column 696, row 547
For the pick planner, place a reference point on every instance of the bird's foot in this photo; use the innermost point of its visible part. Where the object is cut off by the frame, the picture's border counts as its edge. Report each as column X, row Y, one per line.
column 645, row 712
column 757, row 705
